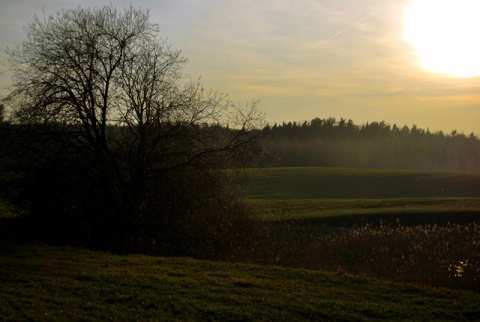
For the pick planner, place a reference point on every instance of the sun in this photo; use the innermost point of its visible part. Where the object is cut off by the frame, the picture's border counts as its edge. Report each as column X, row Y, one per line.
column 445, row 35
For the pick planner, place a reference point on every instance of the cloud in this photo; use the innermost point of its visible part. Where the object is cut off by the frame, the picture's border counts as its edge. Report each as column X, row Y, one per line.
column 302, row 59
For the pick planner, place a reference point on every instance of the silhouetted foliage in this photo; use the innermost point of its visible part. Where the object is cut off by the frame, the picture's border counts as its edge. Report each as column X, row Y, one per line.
column 328, row 142
column 2, row 113
column 110, row 147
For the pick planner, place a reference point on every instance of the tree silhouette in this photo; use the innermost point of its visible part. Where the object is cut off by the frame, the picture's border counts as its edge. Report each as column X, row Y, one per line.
column 121, row 126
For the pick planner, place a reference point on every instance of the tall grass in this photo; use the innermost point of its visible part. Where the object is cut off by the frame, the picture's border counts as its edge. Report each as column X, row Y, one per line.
column 307, row 216
column 441, row 256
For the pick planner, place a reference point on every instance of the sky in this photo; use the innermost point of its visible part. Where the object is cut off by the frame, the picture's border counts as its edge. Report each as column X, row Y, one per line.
column 300, row 59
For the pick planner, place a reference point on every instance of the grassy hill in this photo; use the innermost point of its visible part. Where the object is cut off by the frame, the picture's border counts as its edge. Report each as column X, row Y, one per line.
column 39, row 282
column 45, row 283
column 343, row 183
column 331, row 192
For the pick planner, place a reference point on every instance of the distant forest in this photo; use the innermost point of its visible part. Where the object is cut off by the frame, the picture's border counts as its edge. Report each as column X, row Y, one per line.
column 328, row 142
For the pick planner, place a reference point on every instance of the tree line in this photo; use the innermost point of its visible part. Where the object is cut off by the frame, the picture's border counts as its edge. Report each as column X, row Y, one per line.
column 342, row 143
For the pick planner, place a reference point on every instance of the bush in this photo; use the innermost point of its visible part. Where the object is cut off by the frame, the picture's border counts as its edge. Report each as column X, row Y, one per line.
column 195, row 215
column 186, row 212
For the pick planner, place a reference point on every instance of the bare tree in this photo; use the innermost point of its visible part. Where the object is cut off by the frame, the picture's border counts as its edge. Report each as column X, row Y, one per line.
column 103, row 82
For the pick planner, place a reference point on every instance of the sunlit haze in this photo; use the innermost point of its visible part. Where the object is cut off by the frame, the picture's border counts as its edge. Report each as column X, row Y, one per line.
column 399, row 61
column 446, row 35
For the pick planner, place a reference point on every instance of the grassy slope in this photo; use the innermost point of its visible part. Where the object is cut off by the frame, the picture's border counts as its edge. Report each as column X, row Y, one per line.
column 340, row 209
column 340, row 183
column 45, row 283
column 39, row 282
column 320, row 192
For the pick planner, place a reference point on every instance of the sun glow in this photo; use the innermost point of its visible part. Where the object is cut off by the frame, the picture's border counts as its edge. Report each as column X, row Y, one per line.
column 446, row 35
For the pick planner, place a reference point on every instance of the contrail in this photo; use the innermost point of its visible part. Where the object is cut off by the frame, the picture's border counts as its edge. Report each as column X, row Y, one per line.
column 347, row 28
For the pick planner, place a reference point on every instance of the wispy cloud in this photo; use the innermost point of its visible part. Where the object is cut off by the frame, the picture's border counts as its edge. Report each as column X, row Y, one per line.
column 300, row 58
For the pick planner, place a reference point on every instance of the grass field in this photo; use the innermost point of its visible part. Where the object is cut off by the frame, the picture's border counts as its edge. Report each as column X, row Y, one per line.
column 341, row 183
column 320, row 208
column 328, row 192
column 44, row 283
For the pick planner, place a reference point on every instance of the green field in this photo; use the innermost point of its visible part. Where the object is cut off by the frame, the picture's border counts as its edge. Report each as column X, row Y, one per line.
column 283, row 193
column 342, row 183
column 44, row 283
